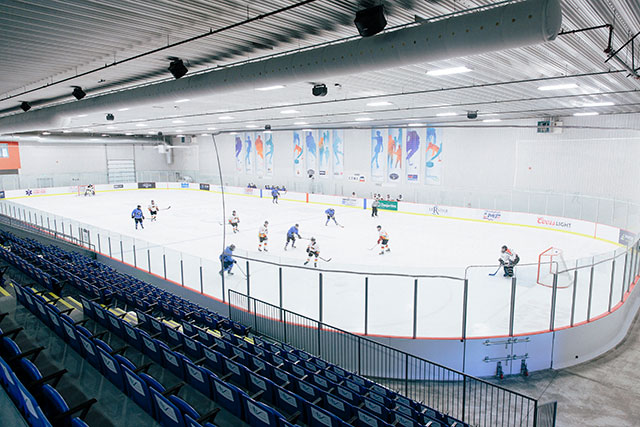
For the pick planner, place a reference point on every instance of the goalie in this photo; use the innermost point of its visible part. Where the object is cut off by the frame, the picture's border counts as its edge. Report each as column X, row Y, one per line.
column 90, row 190
column 508, row 259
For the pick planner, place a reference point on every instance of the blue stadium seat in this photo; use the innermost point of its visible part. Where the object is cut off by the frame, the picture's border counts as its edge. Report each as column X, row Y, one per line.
column 57, row 410
column 228, row 396
column 259, row 415
column 138, row 390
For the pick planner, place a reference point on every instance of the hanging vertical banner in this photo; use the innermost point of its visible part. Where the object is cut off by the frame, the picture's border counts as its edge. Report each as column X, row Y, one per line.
column 337, row 144
column 268, row 153
column 433, row 157
column 413, row 155
column 239, row 153
column 258, row 142
column 378, row 137
column 394, row 154
column 298, row 155
column 248, row 153
column 323, row 153
column 312, row 151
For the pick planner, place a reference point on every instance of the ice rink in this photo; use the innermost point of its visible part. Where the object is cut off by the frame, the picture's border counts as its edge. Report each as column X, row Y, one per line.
column 420, row 245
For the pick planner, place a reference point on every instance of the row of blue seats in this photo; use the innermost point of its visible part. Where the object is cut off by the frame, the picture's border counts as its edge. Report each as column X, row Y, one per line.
column 354, row 390
column 273, row 370
column 35, row 395
column 42, row 278
column 101, row 282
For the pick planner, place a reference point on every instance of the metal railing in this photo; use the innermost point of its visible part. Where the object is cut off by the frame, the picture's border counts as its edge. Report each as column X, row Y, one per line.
column 461, row 396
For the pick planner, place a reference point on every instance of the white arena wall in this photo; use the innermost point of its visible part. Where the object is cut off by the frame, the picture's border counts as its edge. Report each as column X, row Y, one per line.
column 553, row 348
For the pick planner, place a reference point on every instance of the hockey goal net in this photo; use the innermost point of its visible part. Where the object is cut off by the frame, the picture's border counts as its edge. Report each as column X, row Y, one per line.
column 82, row 191
column 551, row 262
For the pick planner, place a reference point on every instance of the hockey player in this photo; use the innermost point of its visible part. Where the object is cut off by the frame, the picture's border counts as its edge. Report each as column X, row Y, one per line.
column 153, row 210
column 291, row 236
column 262, row 236
column 275, row 194
column 383, row 240
column 374, row 207
column 227, row 260
column 508, row 259
column 234, row 221
column 313, row 250
column 331, row 216
column 138, row 216
column 90, row 190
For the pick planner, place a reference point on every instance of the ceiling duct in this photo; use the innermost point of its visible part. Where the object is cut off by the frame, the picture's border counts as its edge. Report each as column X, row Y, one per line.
column 505, row 27
column 82, row 139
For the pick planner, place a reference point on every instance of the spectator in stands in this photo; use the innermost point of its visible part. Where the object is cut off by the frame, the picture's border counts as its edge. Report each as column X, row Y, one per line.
column 353, row 194
column 399, row 199
column 389, row 197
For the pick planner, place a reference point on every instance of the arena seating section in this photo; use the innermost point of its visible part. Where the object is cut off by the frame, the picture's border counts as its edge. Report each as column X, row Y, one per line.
column 169, row 355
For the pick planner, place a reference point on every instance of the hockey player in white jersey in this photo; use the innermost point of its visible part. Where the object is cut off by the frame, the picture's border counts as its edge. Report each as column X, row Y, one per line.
column 262, row 236
column 383, row 240
column 153, row 210
column 234, row 221
column 508, row 259
column 313, row 251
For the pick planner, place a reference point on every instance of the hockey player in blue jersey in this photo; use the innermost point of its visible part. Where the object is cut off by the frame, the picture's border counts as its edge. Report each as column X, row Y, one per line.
column 227, row 260
column 331, row 216
column 138, row 216
column 291, row 236
column 275, row 194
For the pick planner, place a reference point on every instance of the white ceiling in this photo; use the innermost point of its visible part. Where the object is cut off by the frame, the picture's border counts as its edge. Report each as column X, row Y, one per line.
column 46, row 41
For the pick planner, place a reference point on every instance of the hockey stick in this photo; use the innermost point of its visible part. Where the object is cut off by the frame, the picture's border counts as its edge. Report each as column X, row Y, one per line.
column 373, row 247
column 325, row 260
column 243, row 273
column 496, row 272
column 165, row 209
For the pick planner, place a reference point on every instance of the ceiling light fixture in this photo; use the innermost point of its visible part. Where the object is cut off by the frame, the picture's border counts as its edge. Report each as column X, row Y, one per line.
column 81, row 115
column 141, row 125
column 129, row 133
column 225, row 118
column 363, row 119
column 415, row 125
column 124, row 109
column 559, row 87
column 289, row 112
column 66, row 131
column 86, row 130
column 378, row 104
column 587, row 113
column 212, row 128
column 270, row 87
column 449, row 71
column 448, row 114
column 178, row 121
column 46, row 133
column 300, row 123
column 598, row 104
column 491, row 120
column 251, row 126
column 180, row 101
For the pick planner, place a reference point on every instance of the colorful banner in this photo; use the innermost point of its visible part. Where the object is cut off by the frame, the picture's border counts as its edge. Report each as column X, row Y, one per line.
column 413, row 155
column 259, row 144
column 377, row 154
column 248, row 153
column 312, row 151
column 388, row 205
column 268, row 153
column 337, row 144
column 239, row 153
column 298, row 155
column 433, row 157
column 394, row 154
column 324, row 151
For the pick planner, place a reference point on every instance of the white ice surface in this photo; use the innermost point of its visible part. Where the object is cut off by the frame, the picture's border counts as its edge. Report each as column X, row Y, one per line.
column 191, row 230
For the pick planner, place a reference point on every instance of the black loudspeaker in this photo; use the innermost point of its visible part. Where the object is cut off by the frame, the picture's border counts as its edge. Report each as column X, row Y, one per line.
column 471, row 115
column 25, row 106
column 78, row 93
column 370, row 21
column 177, row 68
column 319, row 90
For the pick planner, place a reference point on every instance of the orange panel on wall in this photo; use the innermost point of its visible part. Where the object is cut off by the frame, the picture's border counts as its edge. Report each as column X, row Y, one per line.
column 9, row 159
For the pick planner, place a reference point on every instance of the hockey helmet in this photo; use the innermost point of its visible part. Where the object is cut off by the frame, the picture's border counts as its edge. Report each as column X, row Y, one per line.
column 504, row 248
column 379, row 227
column 232, row 247
column 313, row 239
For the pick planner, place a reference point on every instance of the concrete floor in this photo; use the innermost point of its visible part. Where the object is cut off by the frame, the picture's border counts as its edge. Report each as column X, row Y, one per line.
column 601, row 392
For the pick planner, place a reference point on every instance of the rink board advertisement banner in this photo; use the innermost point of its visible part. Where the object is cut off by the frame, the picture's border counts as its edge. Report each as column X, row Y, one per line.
column 205, row 187
column 146, row 185
column 388, row 205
